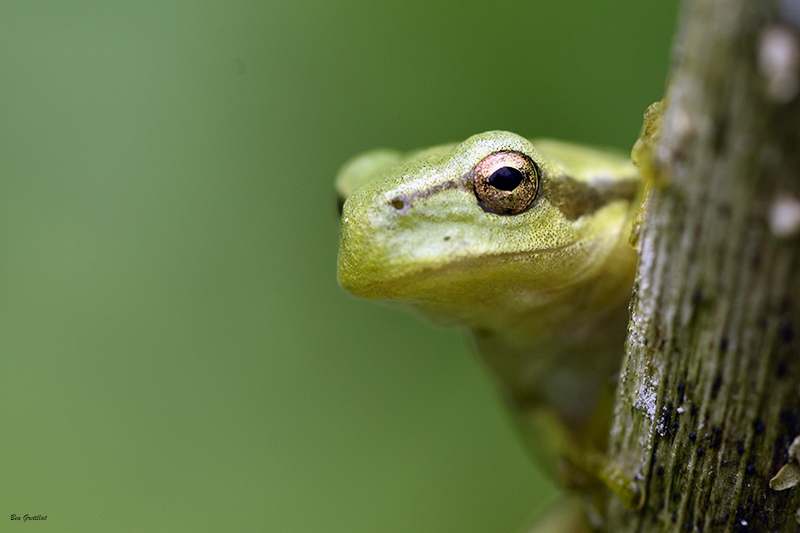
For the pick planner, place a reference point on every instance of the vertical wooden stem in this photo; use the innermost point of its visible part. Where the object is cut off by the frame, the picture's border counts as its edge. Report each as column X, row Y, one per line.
column 709, row 395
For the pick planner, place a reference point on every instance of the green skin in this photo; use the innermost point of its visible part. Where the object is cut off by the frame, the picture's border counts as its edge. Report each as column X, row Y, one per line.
column 543, row 292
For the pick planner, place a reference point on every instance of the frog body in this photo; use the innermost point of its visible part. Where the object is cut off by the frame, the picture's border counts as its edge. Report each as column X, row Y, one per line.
column 524, row 243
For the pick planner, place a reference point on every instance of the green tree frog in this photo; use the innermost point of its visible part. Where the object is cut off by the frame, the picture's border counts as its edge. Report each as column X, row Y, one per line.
column 525, row 244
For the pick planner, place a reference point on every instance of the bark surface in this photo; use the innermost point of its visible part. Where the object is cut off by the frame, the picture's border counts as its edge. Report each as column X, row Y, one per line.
column 709, row 400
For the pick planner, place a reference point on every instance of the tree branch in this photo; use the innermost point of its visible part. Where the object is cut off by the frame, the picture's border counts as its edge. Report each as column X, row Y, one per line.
column 708, row 402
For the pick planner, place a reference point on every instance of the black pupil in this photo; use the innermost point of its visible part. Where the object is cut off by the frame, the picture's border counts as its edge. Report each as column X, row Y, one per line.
column 505, row 179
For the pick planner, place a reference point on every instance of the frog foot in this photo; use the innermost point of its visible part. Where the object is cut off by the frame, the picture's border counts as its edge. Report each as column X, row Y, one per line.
column 598, row 466
column 620, row 483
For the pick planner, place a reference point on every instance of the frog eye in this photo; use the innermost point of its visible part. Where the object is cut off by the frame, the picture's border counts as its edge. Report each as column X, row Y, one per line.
column 505, row 182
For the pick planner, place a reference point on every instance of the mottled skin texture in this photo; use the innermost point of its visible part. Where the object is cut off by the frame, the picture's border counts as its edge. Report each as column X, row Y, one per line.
column 543, row 292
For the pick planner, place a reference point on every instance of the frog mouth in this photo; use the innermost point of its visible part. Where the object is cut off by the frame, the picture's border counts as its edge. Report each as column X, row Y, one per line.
column 424, row 282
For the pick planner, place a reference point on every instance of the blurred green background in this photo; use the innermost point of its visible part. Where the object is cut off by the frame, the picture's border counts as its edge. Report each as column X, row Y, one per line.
column 176, row 353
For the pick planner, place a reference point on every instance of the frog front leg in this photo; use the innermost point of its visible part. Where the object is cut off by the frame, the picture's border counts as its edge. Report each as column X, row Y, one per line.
column 559, row 389
column 576, row 463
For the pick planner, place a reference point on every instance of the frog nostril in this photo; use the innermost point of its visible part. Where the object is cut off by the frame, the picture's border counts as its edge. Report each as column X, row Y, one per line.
column 398, row 204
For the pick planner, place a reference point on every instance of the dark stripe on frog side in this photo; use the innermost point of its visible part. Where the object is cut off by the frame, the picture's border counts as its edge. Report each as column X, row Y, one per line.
column 572, row 197
column 421, row 195
column 577, row 198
